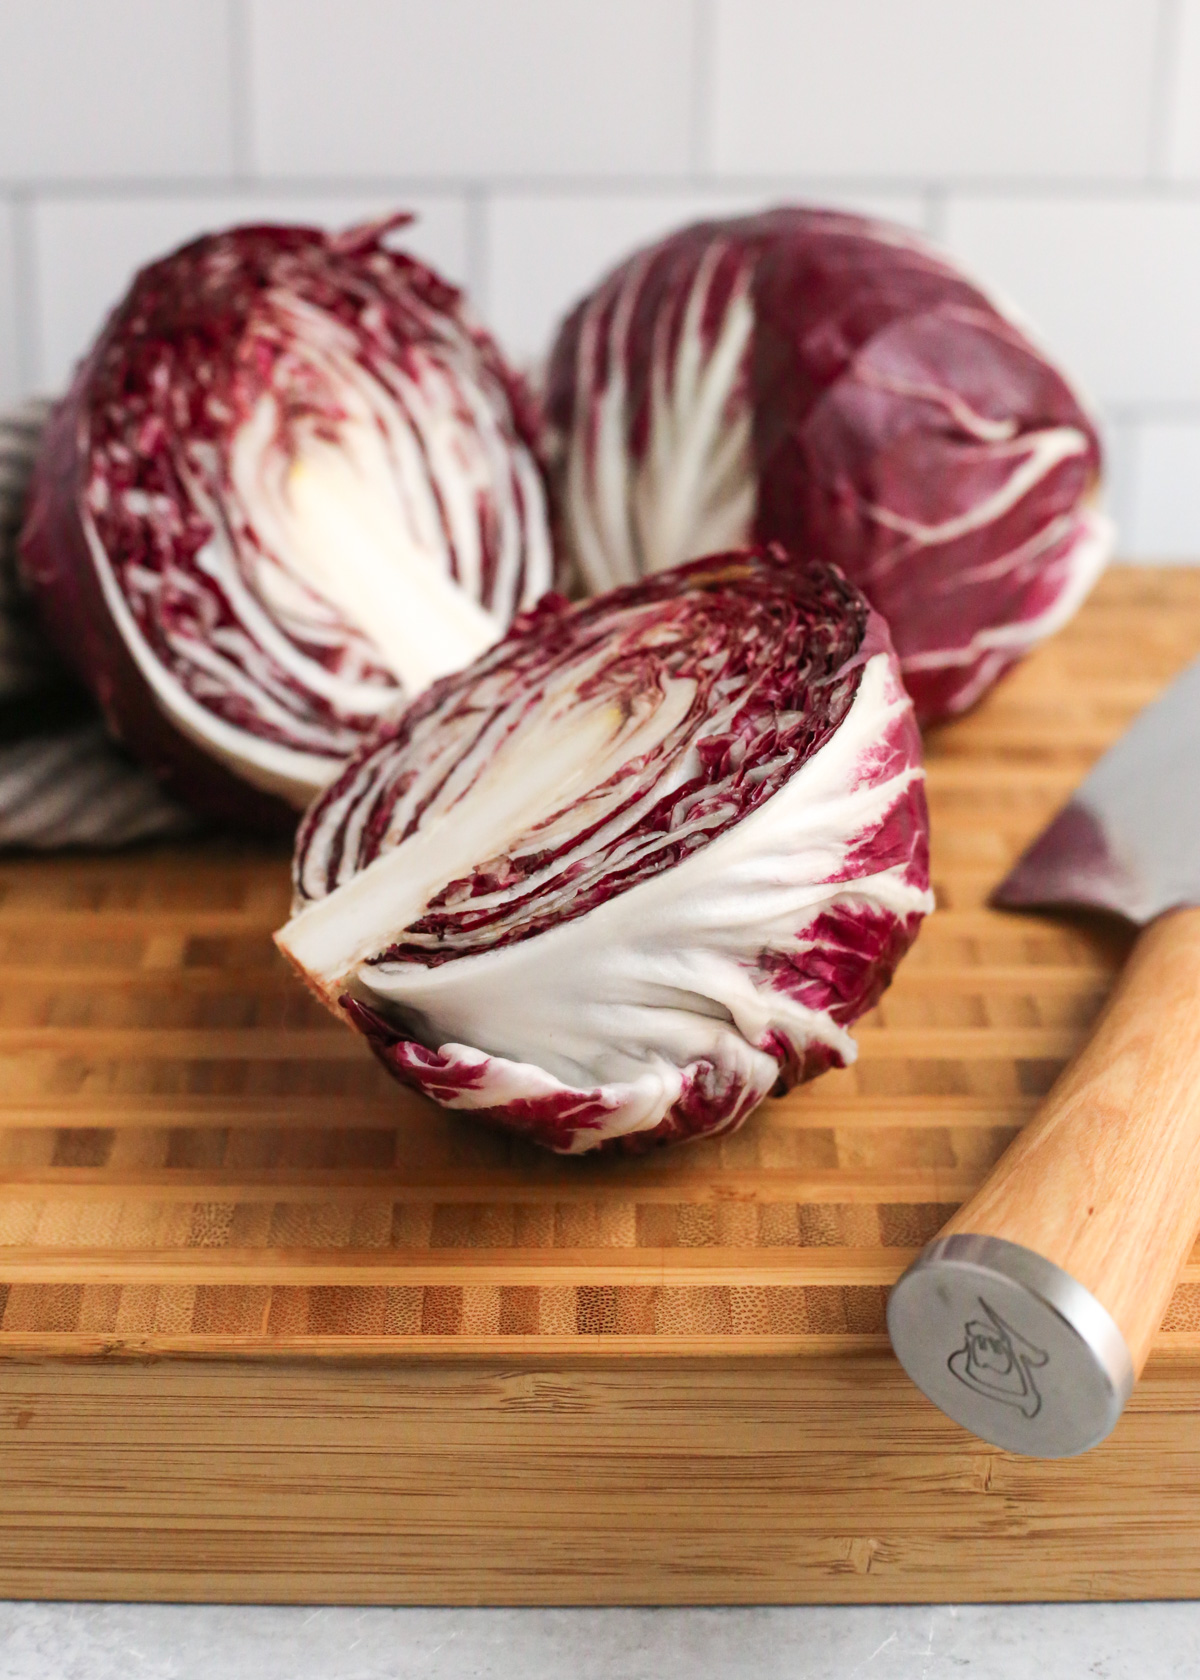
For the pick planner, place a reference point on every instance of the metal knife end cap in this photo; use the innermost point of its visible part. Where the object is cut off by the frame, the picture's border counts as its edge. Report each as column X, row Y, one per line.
column 1010, row 1346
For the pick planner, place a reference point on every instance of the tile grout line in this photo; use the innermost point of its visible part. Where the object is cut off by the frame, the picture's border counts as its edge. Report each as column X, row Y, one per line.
column 1121, row 189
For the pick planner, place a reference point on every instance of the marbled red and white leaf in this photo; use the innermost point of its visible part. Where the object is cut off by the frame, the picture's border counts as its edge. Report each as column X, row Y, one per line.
column 640, row 864
column 292, row 483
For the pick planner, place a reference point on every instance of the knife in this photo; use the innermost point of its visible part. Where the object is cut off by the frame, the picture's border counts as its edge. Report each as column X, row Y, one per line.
column 1029, row 1318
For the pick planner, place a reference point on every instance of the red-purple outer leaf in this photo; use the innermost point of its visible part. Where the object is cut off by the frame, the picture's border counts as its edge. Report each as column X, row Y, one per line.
column 835, row 384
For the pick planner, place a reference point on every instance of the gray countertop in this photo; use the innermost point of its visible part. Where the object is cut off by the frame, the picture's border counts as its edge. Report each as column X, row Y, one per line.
column 878, row 1642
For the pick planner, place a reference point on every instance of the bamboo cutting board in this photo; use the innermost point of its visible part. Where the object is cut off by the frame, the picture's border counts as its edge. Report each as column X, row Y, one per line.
column 440, row 1364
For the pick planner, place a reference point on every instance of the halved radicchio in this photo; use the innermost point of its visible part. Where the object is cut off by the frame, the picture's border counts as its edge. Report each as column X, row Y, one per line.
column 837, row 385
column 638, row 866
column 291, row 484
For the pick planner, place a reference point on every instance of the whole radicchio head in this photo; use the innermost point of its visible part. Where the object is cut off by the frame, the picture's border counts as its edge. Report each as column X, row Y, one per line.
column 292, row 484
column 836, row 384
column 638, row 866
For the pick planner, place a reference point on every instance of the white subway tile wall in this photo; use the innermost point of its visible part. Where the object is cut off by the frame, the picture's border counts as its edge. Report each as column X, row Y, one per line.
column 992, row 88
column 1160, row 515
column 1054, row 145
column 463, row 87
column 98, row 89
column 1181, row 132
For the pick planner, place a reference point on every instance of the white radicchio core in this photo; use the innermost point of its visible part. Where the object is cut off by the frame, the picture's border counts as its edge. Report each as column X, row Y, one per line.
column 836, row 385
column 637, row 867
column 292, row 484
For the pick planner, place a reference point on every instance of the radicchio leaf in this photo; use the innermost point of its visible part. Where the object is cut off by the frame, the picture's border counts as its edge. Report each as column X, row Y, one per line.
column 291, row 484
column 835, row 384
column 639, row 865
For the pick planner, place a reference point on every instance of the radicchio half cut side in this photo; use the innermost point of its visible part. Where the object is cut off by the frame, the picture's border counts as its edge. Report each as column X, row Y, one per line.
column 835, row 384
column 640, row 865
column 292, row 484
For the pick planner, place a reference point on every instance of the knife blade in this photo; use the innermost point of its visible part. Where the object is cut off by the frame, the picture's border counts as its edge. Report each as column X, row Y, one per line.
column 1029, row 1318
column 1129, row 840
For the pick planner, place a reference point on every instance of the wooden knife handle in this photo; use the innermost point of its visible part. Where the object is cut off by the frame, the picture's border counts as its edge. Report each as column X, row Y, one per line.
column 1103, row 1184
column 1105, row 1180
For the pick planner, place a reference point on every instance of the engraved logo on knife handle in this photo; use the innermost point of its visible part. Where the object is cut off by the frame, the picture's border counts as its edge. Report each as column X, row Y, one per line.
column 998, row 1361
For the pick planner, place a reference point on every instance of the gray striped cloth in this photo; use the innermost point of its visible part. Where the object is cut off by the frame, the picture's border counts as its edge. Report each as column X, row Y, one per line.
column 26, row 664
column 63, row 781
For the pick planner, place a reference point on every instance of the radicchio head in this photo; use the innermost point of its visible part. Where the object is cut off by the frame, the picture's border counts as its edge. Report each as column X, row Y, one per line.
column 292, row 483
column 836, row 384
column 638, row 866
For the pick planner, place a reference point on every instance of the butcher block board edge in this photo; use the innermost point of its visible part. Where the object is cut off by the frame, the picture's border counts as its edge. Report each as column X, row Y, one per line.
column 477, row 1482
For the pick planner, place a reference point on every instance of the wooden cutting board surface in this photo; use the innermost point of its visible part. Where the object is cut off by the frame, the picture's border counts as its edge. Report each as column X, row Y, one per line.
column 194, row 1158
